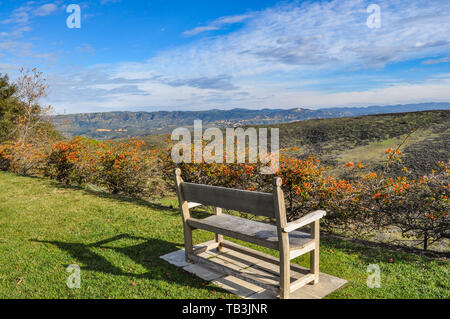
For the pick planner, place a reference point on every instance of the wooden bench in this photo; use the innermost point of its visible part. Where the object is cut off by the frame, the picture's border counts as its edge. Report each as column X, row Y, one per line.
column 283, row 236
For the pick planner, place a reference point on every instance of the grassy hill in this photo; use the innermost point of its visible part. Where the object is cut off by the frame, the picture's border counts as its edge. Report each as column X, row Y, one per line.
column 117, row 241
column 365, row 138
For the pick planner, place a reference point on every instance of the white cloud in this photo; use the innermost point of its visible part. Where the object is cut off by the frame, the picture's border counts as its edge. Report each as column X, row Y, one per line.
column 20, row 15
column 24, row 13
column 317, row 36
column 108, row 1
column 45, row 9
column 95, row 90
column 20, row 22
column 198, row 30
column 437, row 61
column 401, row 93
column 217, row 24
column 86, row 48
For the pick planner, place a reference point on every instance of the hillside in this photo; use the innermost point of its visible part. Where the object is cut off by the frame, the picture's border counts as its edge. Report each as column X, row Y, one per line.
column 127, row 124
column 336, row 141
column 364, row 138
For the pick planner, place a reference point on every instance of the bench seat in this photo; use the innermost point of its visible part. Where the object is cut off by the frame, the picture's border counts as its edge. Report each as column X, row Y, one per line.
column 260, row 233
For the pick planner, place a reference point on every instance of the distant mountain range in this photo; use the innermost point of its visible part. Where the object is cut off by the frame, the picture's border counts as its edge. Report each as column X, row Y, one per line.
column 126, row 124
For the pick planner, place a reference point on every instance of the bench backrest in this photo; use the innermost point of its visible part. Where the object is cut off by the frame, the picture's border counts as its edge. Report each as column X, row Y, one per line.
column 255, row 203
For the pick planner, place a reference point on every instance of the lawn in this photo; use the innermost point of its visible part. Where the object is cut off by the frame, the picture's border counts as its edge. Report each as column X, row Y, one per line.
column 117, row 241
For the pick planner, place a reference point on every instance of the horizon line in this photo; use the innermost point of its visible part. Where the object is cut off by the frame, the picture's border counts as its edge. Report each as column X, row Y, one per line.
column 258, row 109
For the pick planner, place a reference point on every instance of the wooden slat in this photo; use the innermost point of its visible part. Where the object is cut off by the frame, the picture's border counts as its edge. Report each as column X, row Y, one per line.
column 303, row 221
column 294, row 285
column 283, row 238
column 219, row 238
column 255, row 203
column 219, row 229
column 262, row 256
column 248, row 230
column 301, row 282
column 193, row 205
column 294, row 253
column 184, row 214
column 198, row 249
column 233, row 272
column 314, row 255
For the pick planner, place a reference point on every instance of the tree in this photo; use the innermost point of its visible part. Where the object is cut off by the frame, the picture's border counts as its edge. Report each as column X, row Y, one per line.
column 28, row 133
column 8, row 107
column 33, row 119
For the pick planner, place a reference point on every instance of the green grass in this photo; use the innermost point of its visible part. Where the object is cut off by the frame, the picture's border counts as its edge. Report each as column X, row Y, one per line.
column 373, row 154
column 117, row 241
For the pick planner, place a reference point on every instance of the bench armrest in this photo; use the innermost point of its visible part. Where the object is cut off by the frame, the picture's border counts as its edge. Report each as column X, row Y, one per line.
column 303, row 221
column 193, row 204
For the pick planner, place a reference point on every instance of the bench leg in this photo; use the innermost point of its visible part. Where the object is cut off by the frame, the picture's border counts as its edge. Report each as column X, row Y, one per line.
column 188, row 246
column 285, row 267
column 314, row 263
column 285, row 278
column 314, row 254
column 219, row 238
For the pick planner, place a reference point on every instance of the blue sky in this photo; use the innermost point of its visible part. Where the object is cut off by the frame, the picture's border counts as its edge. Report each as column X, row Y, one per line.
column 194, row 55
